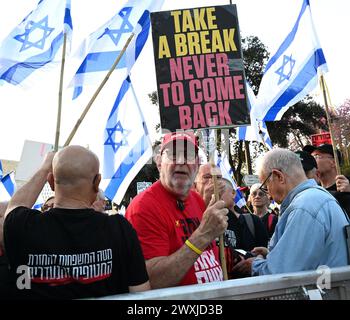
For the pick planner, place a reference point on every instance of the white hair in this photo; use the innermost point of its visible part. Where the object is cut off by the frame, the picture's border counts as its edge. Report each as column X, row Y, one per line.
column 254, row 187
column 282, row 159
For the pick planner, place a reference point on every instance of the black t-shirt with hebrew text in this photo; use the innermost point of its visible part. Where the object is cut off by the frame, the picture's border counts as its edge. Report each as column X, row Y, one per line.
column 73, row 253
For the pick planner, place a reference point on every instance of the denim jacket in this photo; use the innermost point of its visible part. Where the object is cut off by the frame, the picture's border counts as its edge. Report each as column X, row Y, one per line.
column 308, row 234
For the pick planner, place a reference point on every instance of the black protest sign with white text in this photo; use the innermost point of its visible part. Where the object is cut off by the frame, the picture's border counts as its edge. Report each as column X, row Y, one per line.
column 199, row 68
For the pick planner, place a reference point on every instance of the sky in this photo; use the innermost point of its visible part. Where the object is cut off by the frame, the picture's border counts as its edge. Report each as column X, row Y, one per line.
column 30, row 114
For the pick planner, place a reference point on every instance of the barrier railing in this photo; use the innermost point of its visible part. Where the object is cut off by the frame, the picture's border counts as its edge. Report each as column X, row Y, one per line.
column 324, row 283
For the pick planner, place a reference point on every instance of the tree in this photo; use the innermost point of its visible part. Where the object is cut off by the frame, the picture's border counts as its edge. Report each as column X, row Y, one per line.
column 255, row 56
column 341, row 130
column 297, row 124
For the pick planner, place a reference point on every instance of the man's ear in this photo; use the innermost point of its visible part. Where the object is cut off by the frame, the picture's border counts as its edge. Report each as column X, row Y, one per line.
column 280, row 176
column 97, row 181
column 51, row 180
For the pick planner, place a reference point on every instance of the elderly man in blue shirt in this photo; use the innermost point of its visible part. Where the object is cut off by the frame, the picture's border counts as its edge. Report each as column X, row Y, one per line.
column 309, row 232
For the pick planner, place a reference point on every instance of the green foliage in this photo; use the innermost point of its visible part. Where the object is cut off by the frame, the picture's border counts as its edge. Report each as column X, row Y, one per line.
column 345, row 170
column 255, row 56
column 297, row 124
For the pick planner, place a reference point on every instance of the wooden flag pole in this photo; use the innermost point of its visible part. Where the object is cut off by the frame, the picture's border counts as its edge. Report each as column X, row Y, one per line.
column 217, row 198
column 247, row 157
column 323, row 87
column 87, row 108
column 59, row 109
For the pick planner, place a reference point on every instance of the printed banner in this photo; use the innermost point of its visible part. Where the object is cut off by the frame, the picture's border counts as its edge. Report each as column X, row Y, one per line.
column 199, row 68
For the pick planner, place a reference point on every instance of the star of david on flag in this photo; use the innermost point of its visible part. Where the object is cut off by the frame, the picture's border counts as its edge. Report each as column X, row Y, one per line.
column 127, row 146
column 285, row 71
column 116, row 141
column 227, row 172
column 7, row 186
column 257, row 131
column 34, row 43
column 99, row 51
column 292, row 72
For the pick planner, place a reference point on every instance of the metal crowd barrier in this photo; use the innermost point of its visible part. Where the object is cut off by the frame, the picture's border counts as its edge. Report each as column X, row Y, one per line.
column 325, row 284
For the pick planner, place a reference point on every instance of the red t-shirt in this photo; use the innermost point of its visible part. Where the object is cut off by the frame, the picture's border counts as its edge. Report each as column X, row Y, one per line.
column 163, row 229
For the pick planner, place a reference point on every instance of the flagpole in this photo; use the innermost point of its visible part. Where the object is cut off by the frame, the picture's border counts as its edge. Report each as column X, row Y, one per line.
column 247, row 157
column 217, row 198
column 323, row 87
column 59, row 109
column 87, row 108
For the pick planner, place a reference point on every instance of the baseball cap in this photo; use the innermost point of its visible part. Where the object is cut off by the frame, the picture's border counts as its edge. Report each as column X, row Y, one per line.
column 307, row 160
column 173, row 137
column 328, row 148
column 309, row 148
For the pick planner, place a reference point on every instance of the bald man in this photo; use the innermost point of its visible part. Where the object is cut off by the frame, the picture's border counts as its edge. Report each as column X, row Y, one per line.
column 71, row 251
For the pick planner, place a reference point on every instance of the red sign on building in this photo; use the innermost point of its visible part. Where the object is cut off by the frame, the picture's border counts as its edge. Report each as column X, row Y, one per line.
column 321, row 138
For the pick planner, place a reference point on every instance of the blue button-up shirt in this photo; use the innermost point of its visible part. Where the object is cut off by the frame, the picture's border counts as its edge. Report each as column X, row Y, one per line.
column 309, row 233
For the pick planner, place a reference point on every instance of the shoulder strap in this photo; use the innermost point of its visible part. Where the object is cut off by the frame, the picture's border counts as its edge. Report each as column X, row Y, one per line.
column 270, row 221
column 249, row 220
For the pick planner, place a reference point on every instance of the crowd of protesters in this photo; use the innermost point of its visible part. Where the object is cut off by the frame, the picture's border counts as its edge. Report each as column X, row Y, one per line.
column 168, row 237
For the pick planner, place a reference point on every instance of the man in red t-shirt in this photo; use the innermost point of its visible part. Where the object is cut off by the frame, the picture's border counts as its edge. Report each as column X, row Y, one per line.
column 175, row 228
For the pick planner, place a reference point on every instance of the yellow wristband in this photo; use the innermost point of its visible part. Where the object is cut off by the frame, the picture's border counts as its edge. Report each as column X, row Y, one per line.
column 193, row 247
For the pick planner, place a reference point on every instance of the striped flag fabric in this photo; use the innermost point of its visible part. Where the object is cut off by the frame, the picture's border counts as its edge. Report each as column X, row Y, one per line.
column 34, row 43
column 227, row 173
column 257, row 131
column 7, row 186
column 99, row 51
column 127, row 146
column 292, row 72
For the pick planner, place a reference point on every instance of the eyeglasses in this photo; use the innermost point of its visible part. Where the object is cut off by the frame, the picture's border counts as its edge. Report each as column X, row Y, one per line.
column 187, row 155
column 318, row 156
column 263, row 188
column 209, row 176
column 259, row 193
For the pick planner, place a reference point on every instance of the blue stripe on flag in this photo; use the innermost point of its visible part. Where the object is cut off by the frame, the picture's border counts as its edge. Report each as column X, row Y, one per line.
column 242, row 132
column 8, row 184
column 20, row 71
column 143, row 35
column 123, row 90
column 101, row 61
column 304, row 77
column 287, row 42
column 124, row 169
column 67, row 16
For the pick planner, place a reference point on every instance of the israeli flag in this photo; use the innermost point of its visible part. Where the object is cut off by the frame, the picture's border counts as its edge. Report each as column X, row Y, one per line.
column 7, row 186
column 257, row 131
column 127, row 146
column 102, row 47
column 227, row 173
column 34, row 43
column 291, row 73
column 1, row 172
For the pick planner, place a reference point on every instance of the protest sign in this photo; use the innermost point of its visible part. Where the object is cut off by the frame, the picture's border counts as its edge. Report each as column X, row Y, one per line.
column 199, row 68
